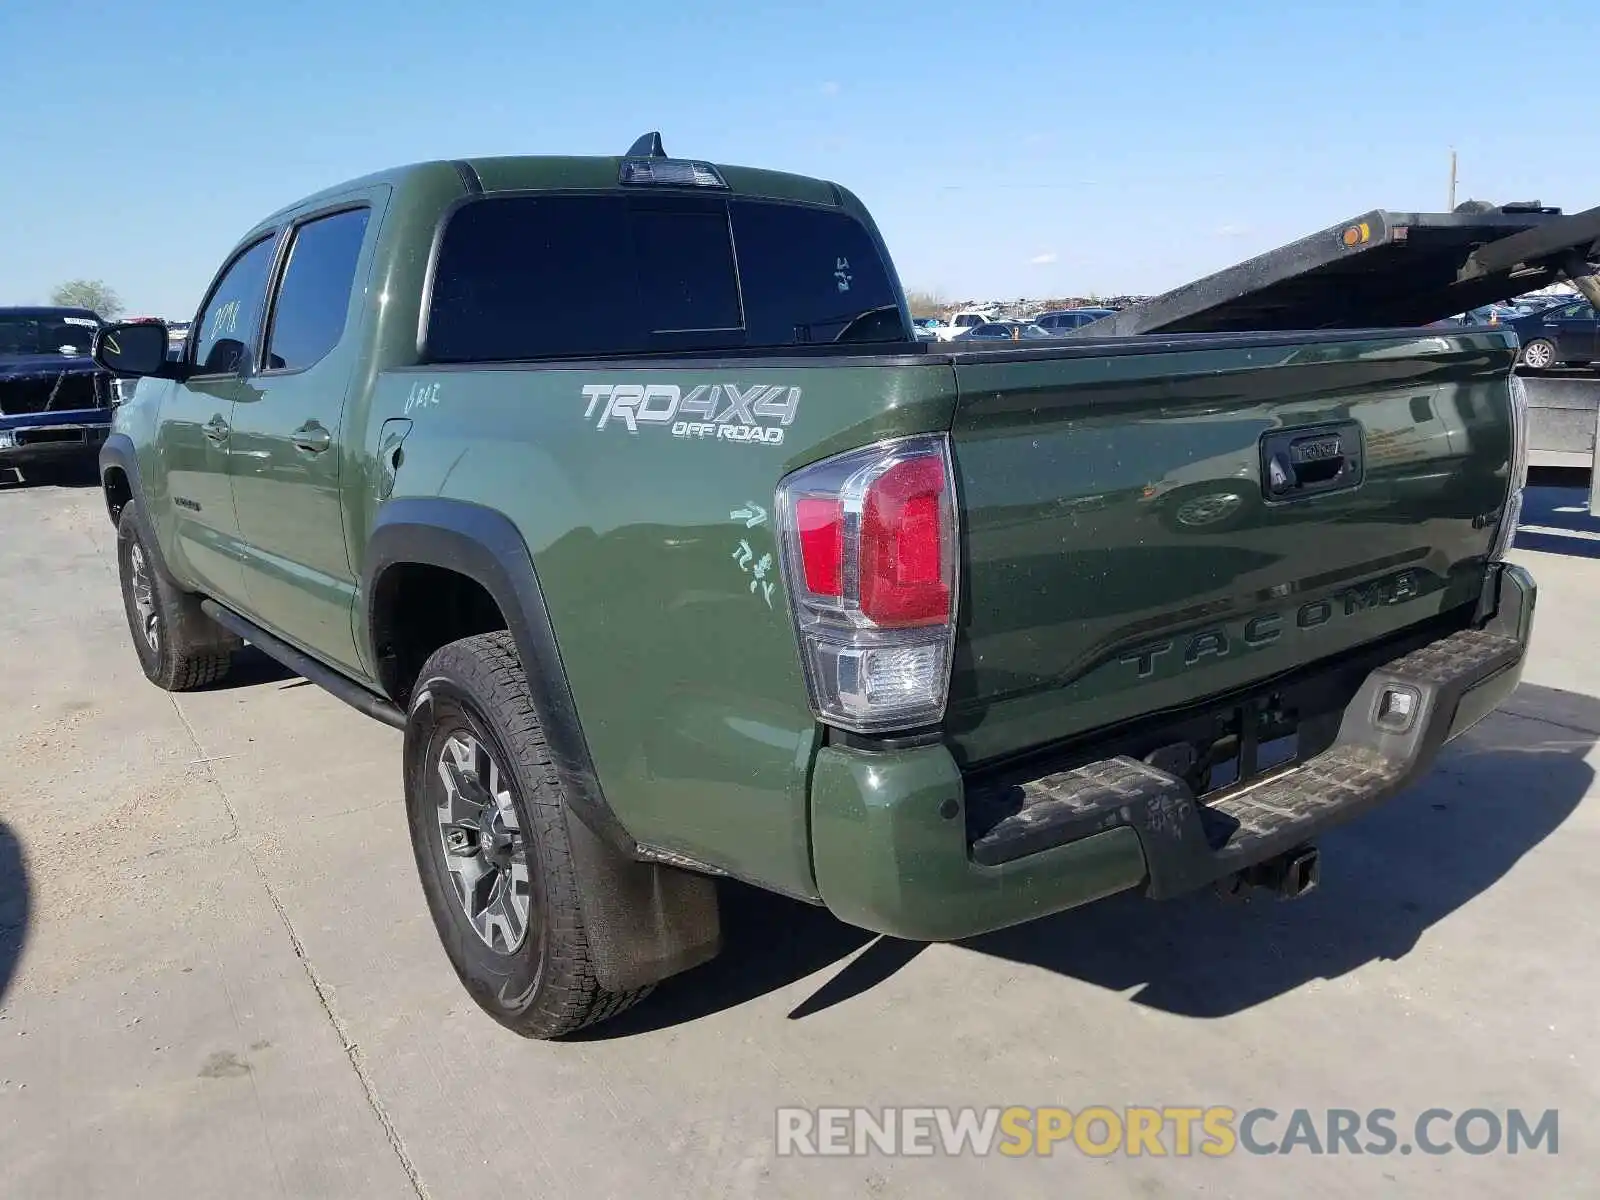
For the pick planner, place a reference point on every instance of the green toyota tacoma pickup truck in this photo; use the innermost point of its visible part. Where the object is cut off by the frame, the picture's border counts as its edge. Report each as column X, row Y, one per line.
column 622, row 487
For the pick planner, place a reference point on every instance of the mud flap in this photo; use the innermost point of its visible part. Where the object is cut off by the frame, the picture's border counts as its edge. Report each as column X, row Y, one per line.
column 645, row 921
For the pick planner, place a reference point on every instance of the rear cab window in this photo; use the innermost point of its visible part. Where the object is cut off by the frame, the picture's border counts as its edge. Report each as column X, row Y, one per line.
column 566, row 275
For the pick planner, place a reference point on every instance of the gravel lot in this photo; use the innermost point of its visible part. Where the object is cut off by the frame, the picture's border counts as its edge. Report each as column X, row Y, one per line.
column 217, row 975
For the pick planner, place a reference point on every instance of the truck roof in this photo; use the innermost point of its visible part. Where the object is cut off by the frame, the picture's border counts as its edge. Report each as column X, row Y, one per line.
column 574, row 173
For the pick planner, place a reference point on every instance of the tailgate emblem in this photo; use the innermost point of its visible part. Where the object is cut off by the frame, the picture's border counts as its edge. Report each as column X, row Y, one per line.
column 1317, row 449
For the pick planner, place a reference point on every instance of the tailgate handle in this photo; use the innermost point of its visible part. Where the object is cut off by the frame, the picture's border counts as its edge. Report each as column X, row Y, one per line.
column 1302, row 462
column 1317, row 459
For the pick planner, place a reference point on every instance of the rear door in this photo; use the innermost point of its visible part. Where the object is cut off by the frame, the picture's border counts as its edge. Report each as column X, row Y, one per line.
column 1572, row 328
column 1128, row 550
column 195, row 437
column 1580, row 336
column 287, row 459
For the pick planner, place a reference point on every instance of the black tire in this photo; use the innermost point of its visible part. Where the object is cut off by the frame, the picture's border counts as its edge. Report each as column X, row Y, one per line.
column 179, row 647
column 474, row 691
column 1540, row 355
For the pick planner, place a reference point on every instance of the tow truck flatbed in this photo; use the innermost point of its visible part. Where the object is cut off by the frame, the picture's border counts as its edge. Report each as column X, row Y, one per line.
column 1388, row 269
column 1383, row 269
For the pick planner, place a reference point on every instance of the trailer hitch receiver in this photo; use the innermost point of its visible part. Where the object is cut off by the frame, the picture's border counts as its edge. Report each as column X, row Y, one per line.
column 1291, row 874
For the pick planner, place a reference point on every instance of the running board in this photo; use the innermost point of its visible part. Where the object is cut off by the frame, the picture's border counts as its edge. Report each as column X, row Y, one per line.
column 352, row 693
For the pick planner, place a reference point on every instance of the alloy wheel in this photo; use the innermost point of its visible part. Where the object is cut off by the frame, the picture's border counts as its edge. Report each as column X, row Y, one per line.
column 144, row 599
column 485, row 847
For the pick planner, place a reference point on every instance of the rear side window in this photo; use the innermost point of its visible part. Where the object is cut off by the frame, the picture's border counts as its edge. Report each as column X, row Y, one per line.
column 570, row 276
column 309, row 313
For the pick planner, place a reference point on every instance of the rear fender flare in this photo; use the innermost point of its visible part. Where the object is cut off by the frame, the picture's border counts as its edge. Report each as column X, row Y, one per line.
column 486, row 547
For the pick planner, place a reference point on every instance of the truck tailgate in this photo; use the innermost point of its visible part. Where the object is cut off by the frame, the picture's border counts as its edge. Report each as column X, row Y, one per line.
column 1149, row 524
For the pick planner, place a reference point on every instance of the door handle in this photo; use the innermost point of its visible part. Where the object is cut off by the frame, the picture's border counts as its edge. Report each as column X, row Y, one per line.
column 312, row 438
column 216, row 429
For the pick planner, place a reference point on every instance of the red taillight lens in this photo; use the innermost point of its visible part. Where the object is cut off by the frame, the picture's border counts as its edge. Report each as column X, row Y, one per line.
column 870, row 558
column 903, row 576
column 819, row 523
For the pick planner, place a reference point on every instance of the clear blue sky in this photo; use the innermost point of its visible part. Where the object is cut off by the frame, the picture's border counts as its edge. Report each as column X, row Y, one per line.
column 1024, row 148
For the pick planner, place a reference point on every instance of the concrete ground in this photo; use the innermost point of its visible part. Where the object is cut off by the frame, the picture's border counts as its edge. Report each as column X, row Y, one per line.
column 217, row 975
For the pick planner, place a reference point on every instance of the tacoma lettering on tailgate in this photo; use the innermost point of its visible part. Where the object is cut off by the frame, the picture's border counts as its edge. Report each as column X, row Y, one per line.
column 1217, row 641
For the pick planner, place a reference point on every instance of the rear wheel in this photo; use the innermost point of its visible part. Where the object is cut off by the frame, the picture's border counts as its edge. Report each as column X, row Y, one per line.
column 488, row 829
column 1540, row 354
column 179, row 647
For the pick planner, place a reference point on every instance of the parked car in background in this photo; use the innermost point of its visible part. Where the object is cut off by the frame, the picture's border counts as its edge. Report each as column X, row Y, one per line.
column 1008, row 331
column 1489, row 314
column 177, row 338
column 1071, row 318
column 54, row 402
column 1560, row 334
column 963, row 323
column 1529, row 305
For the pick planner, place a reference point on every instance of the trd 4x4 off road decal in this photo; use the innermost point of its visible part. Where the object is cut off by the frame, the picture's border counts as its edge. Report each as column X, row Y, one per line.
column 719, row 411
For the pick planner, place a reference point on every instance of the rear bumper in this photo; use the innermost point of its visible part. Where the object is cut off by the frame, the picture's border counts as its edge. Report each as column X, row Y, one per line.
column 890, row 841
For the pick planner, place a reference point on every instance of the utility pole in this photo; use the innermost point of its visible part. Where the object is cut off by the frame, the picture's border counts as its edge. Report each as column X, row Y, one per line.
column 1451, row 207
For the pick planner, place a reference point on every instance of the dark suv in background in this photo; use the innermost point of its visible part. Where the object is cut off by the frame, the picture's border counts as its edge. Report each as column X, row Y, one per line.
column 55, row 402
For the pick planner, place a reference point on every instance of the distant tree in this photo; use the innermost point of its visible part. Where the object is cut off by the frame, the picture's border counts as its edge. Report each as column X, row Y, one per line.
column 92, row 294
column 926, row 302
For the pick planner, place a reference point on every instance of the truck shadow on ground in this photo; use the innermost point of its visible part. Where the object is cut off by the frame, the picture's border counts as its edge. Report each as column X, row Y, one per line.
column 15, row 906
column 70, row 474
column 1555, row 516
column 253, row 667
column 1493, row 796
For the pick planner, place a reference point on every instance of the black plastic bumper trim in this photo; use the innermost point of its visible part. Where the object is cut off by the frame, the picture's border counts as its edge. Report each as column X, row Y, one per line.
column 1188, row 844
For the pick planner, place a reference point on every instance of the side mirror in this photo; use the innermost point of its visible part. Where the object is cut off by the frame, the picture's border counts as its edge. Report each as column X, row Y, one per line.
column 133, row 348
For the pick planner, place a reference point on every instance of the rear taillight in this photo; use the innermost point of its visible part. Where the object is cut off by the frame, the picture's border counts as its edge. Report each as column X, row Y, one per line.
column 870, row 558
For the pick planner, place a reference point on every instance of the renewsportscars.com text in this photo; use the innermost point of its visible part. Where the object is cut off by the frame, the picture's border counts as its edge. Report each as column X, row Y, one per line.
column 1214, row 1132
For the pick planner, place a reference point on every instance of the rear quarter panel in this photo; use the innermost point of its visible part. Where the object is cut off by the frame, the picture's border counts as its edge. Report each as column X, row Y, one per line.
column 658, row 561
